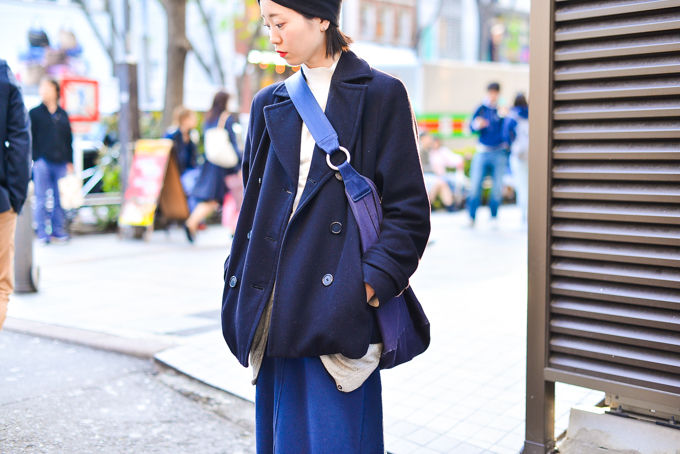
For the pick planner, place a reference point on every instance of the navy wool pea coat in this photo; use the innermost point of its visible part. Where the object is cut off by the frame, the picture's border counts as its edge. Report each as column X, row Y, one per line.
column 315, row 260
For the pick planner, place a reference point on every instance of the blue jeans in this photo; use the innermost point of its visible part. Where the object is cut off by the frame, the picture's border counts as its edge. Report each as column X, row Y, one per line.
column 45, row 177
column 491, row 162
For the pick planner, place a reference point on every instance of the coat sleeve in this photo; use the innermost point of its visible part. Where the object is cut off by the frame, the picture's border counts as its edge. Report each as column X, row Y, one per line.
column 19, row 151
column 390, row 262
column 477, row 113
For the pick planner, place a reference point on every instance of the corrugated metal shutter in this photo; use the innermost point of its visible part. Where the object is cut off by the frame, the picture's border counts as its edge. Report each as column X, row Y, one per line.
column 615, row 201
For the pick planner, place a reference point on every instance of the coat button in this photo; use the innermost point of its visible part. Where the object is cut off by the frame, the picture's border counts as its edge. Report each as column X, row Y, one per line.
column 249, row 232
column 338, row 175
column 327, row 280
column 233, row 281
column 336, row 228
column 259, row 180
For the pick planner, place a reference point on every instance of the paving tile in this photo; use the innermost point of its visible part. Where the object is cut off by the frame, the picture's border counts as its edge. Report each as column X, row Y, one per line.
column 402, row 447
column 390, row 439
column 518, row 411
column 388, row 421
column 443, row 444
column 501, row 450
column 511, row 441
column 460, row 412
column 466, row 448
column 497, row 407
column 505, row 423
column 398, row 411
column 442, row 424
column 402, row 429
column 436, row 406
column 489, row 435
column 464, row 430
column 480, row 417
column 422, row 436
column 420, row 417
column 425, row 451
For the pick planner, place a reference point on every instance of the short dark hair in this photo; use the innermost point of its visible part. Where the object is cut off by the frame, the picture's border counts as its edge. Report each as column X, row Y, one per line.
column 336, row 40
column 493, row 86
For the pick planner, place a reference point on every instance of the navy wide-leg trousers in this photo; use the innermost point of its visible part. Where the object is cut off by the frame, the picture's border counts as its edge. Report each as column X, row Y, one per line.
column 300, row 411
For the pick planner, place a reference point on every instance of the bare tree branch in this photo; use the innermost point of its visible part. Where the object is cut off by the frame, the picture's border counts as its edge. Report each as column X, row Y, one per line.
column 100, row 38
column 213, row 42
column 201, row 62
column 421, row 30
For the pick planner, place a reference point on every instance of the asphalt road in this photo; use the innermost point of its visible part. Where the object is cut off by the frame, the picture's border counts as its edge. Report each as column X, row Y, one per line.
column 62, row 398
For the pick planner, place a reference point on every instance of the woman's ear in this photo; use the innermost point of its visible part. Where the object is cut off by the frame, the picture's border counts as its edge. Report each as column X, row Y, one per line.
column 324, row 24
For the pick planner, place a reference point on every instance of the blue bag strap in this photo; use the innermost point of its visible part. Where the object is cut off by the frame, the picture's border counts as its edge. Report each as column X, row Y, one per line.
column 324, row 134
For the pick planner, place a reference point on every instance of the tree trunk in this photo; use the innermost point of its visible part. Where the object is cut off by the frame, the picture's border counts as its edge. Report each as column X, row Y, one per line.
column 178, row 46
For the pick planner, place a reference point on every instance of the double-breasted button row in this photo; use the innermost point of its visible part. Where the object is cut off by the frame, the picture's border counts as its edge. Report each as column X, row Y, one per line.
column 327, row 280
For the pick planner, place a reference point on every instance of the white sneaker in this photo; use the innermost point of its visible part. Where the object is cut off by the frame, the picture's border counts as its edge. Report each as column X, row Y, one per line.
column 60, row 239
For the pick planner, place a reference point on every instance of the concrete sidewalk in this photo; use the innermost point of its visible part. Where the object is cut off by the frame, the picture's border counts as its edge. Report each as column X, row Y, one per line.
column 464, row 395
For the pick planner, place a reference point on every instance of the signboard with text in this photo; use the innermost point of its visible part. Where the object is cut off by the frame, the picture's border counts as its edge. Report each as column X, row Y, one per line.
column 154, row 183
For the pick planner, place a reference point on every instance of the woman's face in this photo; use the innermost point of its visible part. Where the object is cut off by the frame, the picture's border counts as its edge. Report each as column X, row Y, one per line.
column 188, row 123
column 47, row 91
column 297, row 39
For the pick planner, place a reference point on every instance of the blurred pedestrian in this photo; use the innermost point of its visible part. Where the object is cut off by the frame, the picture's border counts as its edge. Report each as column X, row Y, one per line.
column 214, row 181
column 440, row 183
column 52, row 160
column 186, row 151
column 15, row 173
column 296, row 278
column 490, row 156
column 516, row 133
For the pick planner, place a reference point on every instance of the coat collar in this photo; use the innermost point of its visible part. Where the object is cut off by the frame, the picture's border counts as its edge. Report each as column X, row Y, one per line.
column 344, row 110
column 350, row 68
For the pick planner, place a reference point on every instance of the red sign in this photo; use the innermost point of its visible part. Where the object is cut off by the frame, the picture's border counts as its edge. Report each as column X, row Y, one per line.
column 80, row 99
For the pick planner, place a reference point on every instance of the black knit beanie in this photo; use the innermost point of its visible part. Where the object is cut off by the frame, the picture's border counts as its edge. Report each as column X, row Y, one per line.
column 325, row 9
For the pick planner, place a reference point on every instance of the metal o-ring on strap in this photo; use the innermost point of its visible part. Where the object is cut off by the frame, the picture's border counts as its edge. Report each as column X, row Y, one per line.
column 328, row 158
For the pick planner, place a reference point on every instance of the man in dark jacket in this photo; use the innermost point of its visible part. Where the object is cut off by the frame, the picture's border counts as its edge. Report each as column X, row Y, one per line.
column 15, row 170
column 53, row 158
column 490, row 156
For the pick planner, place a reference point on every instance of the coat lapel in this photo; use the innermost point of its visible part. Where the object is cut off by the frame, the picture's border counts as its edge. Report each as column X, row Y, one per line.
column 284, row 126
column 344, row 111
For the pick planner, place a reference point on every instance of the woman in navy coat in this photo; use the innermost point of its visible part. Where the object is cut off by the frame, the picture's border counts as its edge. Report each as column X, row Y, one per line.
column 300, row 298
column 212, row 182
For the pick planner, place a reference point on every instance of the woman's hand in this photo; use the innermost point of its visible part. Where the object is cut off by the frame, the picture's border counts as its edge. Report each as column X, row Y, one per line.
column 370, row 293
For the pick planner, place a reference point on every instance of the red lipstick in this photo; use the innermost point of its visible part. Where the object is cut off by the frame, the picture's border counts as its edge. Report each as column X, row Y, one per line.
column 282, row 54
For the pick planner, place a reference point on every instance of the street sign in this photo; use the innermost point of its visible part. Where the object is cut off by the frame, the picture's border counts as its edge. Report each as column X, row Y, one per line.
column 80, row 99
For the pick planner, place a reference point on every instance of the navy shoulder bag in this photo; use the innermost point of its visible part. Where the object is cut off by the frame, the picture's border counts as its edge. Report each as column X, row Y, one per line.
column 404, row 328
